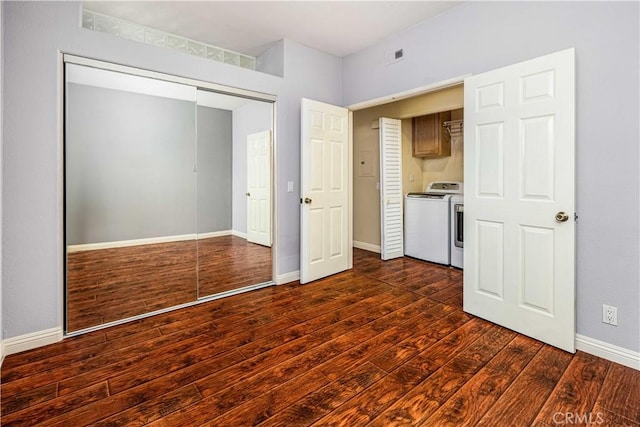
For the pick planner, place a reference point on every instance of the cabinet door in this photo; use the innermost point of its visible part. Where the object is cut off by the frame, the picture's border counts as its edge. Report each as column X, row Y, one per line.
column 430, row 138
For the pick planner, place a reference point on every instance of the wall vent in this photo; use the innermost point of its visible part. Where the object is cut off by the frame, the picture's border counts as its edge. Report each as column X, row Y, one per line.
column 395, row 56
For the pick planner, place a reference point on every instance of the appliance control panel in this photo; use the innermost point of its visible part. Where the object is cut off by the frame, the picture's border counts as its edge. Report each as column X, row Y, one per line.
column 445, row 187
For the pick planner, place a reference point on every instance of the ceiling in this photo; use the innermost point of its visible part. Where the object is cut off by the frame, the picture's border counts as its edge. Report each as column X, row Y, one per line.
column 337, row 27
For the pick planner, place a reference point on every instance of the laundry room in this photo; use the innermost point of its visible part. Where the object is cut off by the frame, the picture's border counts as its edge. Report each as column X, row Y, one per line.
column 432, row 151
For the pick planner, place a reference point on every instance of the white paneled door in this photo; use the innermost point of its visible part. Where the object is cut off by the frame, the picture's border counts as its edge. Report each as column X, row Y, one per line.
column 519, row 197
column 392, row 238
column 259, row 188
column 324, row 204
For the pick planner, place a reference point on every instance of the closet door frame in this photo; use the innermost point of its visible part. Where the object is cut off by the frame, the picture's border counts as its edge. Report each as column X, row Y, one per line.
column 65, row 58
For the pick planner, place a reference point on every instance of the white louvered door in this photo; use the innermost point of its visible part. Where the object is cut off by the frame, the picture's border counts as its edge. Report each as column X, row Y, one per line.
column 391, row 233
column 519, row 263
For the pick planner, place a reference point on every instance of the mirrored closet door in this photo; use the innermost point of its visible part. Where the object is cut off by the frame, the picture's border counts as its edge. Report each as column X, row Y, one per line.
column 157, row 198
column 233, row 192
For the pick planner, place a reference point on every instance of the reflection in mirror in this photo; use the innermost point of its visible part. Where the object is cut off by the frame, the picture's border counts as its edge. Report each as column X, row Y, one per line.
column 234, row 181
column 129, row 195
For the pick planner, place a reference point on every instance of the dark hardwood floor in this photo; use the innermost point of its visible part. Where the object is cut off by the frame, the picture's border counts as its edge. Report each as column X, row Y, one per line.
column 113, row 284
column 384, row 344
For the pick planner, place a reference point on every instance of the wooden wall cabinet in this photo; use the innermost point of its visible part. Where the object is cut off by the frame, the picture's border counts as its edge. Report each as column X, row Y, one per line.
column 430, row 137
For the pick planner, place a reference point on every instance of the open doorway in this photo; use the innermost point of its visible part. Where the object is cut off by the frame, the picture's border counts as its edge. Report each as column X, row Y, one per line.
column 418, row 169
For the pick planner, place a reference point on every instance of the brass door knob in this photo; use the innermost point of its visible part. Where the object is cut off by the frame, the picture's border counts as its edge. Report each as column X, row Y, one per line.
column 248, row 194
column 562, row 217
column 307, row 200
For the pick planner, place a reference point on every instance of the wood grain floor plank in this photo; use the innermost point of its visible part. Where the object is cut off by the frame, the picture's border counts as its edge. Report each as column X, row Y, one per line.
column 273, row 402
column 611, row 418
column 46, row 352
column 621, row 392
column 45, row 411
column 577, row 389
column 406, row 349
column 154, row 409
column 369, row 349
column 100, row 369
column 227, row 399
column 312, row 407
column 368, row 404
column 536, row 381
column 144, row 393
column 15, row 402
column 323, row 321
column 476, row 396
column 426, row 397
column 168, row 363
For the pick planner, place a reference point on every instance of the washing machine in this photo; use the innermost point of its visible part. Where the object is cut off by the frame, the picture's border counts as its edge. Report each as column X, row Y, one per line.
column 456, row 245
column 427, row 222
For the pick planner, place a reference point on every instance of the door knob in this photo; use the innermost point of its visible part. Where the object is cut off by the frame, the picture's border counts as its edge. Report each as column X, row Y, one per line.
column 248, row 194
column 562, row 217
column 307, row 200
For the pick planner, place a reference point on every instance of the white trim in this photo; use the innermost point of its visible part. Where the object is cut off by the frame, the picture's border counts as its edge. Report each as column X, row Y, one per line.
column 210, row 234
column 292, row 276
column 239, row 234
column 409, row 93
column 126, row 243
column 608, row 351
column 367, row 247
column 31, row 341
column 350, row 195
column 61, row 261
column 274, row 192
column 168, row 77
column 151, row 240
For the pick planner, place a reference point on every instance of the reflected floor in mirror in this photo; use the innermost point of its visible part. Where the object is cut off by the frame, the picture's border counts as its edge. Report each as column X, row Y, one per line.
column 229, row 262
column 113, row 284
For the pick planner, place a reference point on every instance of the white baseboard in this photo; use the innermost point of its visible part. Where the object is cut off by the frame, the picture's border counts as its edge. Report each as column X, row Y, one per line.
column 151, row 241
column 292, row 276
column 126, row 243
column 214, row 234
column 31, row 341
column 608, row 351
column 367, row 247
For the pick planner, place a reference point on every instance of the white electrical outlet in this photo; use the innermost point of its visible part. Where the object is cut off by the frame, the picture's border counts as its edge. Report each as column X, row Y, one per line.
column 609, row 315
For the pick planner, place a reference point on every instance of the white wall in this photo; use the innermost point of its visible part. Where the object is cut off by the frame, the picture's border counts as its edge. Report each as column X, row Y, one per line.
column 35, row 33
column 480, row 36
